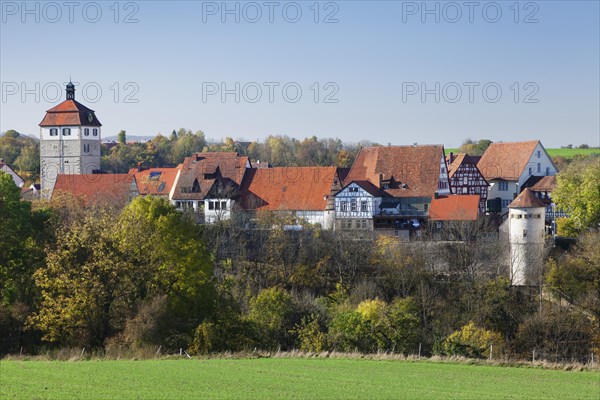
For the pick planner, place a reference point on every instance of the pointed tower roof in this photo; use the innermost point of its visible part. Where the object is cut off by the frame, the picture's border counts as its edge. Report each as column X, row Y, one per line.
column 526, row 199
column 70, row 112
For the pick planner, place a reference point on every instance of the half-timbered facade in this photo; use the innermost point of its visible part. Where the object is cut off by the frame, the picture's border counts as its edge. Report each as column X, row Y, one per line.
column 465, row 178
column 356, row 205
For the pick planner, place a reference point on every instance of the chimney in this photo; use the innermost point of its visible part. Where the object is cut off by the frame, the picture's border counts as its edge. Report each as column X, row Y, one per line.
column 436, row 195
column 139, row 168
column 451, row 157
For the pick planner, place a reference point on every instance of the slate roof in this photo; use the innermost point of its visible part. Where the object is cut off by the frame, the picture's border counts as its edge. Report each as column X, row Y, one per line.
column 454, row 208
column 97, row 188
column 288, row 188
column 367, row 187
column 412, row 171
column 200, row 172
column 527, row 199
column 506, row 160
column 70, row 113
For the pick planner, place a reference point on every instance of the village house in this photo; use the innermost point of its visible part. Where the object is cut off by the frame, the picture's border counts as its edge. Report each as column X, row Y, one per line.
column 301, row 195
column 4, row 167
column 158, row 182
column 97, row 189
column 465, row 177
column 208, row 185
column 453, row 217
column 356, row 205
column 404, row 180
column 508, row 166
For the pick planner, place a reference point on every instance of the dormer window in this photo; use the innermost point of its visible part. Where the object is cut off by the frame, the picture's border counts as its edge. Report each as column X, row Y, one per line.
column 86, row 132
column 386, row 186
column 53, row 131
column 66, row 131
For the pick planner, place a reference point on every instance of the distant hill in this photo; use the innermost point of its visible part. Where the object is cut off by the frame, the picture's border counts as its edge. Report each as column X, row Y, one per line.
column 129, row 138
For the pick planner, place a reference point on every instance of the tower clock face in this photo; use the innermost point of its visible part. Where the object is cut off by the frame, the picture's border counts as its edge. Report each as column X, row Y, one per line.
column 90, row 117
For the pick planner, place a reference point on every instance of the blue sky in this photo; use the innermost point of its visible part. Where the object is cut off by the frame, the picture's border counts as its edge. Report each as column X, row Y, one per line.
column 362, row 77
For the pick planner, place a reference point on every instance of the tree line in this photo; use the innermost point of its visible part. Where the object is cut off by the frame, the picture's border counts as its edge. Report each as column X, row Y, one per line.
column 110, row 278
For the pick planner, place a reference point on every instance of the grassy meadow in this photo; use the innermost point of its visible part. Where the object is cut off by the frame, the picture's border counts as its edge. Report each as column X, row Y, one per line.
column 567, row 153
column 288, row 378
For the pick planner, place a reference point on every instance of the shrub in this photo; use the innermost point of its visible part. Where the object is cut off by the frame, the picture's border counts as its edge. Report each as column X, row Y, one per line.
column 270, row 311
column 472, row 341
column 310, row 335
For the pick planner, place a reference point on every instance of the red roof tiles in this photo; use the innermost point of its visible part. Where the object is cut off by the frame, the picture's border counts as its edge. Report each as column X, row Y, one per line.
column 70, row 113
column 506, row 160
column 289, row 188
column 454, row 208
column 410, row 171
column 527, row 199
column 155, row 181
column 546, row 184
column 200, row 171
column 97, row 188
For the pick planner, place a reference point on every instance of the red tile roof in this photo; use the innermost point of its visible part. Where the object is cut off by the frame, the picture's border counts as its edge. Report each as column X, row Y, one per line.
column 527, row 199
column 289, row 188
column 546, row 184
column 454, row 208
column 506, row 160
column 413, row 170
column 97, row 188
column 202, row 170
column 70, row 113
column 155, row 181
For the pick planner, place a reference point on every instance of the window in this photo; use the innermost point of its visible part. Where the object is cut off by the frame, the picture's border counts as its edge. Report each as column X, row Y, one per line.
column 217, row 205
column 539, row 153
column 95, row 132
column 86, row 148
column 211, row 205
column 386, row 186
column 547, row 171
column 343, row 206
column 505, row 203
column 530, row 171
column 66, row 131
column 438, row 224
column 198, row 204
column 538, row 216
column 86, row 132
column 465, row 180
column 503, row 186
column 53, row 132
column 353, row 189
column 353, row 205
column 426, row 206
column 178, row 204
column 539, row 167
column 363, row 205
column 524, row 233
column 464, row 190
column 223, row 205
column 443, row 170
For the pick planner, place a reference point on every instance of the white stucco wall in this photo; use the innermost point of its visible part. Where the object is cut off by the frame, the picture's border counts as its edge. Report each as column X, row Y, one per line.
column 526, row 235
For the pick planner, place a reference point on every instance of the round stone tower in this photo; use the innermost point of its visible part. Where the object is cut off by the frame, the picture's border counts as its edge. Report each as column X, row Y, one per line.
column 526, row 235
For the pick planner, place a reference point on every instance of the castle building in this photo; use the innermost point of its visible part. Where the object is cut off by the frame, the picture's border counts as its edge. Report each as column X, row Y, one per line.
column 69, row 141
column 526, row 236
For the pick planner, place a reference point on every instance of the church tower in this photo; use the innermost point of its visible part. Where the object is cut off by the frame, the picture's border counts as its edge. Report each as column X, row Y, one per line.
column 526, row 234
column 69, row 141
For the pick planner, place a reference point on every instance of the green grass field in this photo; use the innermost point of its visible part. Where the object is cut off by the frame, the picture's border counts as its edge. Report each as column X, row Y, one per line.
column 567, row 153
column 287, row 378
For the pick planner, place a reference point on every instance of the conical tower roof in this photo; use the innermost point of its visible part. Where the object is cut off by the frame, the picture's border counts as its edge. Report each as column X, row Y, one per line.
column 527, row 199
